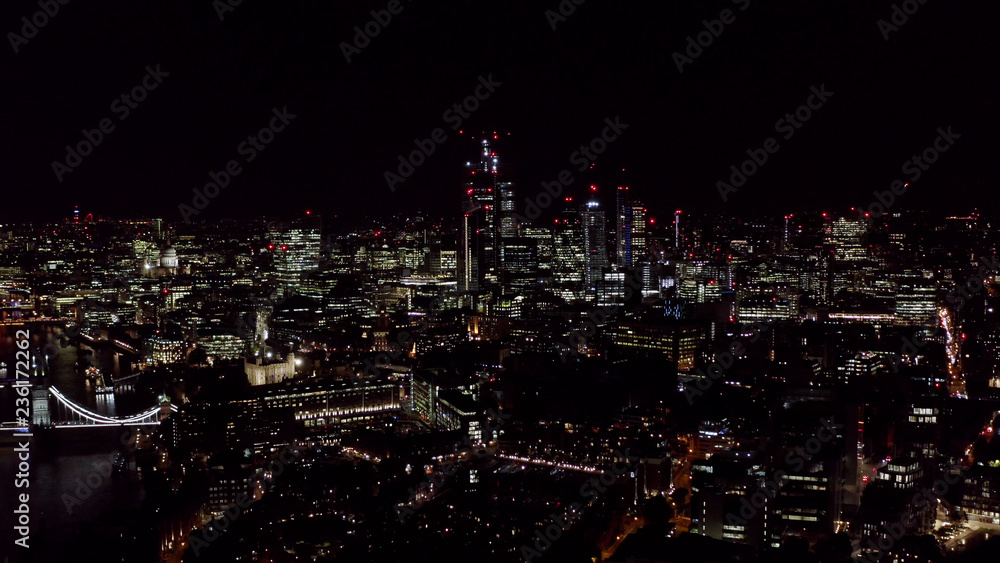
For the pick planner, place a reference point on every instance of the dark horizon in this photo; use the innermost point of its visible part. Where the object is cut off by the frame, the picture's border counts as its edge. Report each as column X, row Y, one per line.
column 556, row 89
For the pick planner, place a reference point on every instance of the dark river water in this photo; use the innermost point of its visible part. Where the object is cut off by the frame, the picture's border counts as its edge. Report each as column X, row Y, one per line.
column 69, row 487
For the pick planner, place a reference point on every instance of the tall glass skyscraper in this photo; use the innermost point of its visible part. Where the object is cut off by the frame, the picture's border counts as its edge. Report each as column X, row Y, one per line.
column 847, row 236
column 295, row 247
column 488, row 218
column 594, row 239
column 570, row 258
column 630, row 230
column 622, row 229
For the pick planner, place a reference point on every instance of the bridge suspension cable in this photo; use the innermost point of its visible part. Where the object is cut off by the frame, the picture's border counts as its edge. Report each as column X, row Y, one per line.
column 96, row 418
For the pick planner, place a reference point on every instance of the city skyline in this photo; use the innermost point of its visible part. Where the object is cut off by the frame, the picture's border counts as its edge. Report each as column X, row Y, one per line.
column 574, row 281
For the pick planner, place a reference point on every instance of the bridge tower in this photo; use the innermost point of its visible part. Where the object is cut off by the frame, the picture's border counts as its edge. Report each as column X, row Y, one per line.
column 165, row 406
column 40, row 415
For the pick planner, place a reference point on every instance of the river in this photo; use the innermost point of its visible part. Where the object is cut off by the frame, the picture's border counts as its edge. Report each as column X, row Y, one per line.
column 63, row 460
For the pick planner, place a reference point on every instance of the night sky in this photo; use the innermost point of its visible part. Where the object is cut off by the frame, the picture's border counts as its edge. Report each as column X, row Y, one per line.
column 609, row 58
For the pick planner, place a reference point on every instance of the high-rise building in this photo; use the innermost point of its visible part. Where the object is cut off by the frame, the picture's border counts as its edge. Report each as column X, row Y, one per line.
column 639, row 230
column 296, row 248
column 981, row 497
column 916, row 299
column 630, row 230
column 544, row 242
column 673, row 341
column 570, row 259
column 700, row 290
column 594, row 239
column 847, row 235
column 806, row 231
column 488, row 217
column 889, row 506
column 722, row 484
column 520, row 263
column 623, row 231
column 470, row 250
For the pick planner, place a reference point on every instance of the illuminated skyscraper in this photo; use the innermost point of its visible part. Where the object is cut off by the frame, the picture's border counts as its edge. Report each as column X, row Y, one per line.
column 543, row 239
column 594, row 239
column 847, row 236
column 622, row 228
column 520, row 261
column 295, row 247
column 470, row 251
column 916, row 299
column 630, row 230
column 638, row 223
column 488, row 218
column 677, row 229
column 570, row 258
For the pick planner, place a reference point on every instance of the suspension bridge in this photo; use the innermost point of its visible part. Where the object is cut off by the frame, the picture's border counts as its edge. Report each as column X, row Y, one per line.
column 52, row 409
